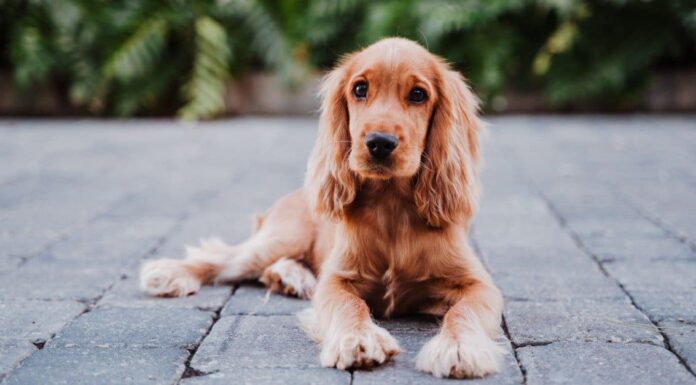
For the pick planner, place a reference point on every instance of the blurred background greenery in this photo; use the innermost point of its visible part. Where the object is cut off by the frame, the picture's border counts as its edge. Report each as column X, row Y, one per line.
column 160, row 57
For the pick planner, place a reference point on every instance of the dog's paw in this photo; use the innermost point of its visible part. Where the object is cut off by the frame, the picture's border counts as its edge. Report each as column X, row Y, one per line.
column 289, row 277
column 469, row 356
column 167, row 278
column 360, row 348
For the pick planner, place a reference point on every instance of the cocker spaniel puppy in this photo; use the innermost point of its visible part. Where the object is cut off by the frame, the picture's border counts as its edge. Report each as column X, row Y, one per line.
column 380, row 227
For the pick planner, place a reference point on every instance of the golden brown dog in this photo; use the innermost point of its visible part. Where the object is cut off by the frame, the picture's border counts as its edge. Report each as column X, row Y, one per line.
column 380, row 227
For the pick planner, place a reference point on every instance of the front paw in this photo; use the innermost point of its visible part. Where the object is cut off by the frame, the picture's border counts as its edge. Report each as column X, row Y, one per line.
column 167, row 278
column 468, row 356
column 359, row 348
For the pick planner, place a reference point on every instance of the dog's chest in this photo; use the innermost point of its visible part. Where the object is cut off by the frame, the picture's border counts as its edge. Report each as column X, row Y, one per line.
column 397, row 276
column 391, row 242
column 397, row 294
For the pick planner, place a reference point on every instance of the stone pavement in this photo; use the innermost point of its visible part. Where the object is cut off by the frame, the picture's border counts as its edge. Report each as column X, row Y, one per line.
column 588, row 225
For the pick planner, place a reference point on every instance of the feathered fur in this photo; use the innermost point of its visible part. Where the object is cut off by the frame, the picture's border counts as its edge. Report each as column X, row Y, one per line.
column 382, row 239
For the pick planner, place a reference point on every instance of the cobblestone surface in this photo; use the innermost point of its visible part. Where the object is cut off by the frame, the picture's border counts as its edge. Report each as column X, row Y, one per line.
column 587, row 224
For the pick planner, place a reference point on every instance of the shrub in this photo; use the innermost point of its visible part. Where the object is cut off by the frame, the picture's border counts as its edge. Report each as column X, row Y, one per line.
column 126, row 57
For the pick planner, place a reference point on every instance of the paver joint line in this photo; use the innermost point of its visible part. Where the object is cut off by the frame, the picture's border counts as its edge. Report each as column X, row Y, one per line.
column 190, row 371
column 523, row 370
column 657, row 222
column 586, row 225
column 504, row 325
column 581, row 245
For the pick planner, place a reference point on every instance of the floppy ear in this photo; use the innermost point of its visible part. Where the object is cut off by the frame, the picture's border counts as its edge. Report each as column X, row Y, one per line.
column 447, row 185
column 329, row 182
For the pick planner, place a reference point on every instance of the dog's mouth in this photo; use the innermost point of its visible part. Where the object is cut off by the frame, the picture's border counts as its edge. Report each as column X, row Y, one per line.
column 377, row 169
column 391, row 167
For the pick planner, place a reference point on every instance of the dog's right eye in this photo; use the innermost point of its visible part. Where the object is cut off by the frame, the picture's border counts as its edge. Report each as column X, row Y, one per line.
column 360, row 90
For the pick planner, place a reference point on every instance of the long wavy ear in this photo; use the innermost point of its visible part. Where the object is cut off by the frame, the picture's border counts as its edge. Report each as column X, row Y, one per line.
column 447, row 183
column 329, row 183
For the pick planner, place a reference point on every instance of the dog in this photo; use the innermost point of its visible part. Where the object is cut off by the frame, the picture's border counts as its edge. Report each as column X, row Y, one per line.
column 380, row 225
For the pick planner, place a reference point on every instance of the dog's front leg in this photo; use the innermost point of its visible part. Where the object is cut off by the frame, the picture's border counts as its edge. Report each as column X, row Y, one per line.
column 342, row 324
column 465, row 347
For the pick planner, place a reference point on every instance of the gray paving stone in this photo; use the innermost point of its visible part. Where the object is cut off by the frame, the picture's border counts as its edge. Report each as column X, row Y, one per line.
column 424, row 324
column 27, row 237
column 47, row 278
column 35, row 321
column 525, row 261
column 660, row 305
column 638, row 248
column 135, row 328
column 578, row 320
column 582, row 203
column 273, row 376
column 668, row 276
column 26, row 230
column 682, row 339
column 542, row 234
column 600, row 227
column 88, row 366
column 602, row 363
column 127, row 294
column 113, row 240
column 29, row 188
column 541, row 286
column 412, row 334
column 12, row 353
column 162, row 204
column 255, row 300
column 670, row 203
column 602, row 175
column 402, row 371
column 9, row 262
column 256, row 342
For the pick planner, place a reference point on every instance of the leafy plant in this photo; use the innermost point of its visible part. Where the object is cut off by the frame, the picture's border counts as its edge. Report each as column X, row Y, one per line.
column 128, row 57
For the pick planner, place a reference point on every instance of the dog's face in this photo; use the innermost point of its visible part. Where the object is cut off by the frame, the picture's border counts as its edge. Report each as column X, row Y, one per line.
column 394, row 110
column 390, row 94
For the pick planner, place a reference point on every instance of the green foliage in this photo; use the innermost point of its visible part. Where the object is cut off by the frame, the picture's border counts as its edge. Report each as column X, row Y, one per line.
column 205, row 88
column 139, row 53
column 128, row 57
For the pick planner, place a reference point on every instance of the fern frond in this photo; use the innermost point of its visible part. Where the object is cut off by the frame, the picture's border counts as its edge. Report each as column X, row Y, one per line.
column 30, row 54
column 328, row 8
column 88, row 86
column 138, row 54
column 75, row 34
column 269, row 41
column 204, row 91
column 138, row 95
column 439, row 18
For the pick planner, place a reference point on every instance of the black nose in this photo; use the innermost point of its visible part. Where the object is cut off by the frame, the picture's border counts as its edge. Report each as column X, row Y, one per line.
column 380, row 145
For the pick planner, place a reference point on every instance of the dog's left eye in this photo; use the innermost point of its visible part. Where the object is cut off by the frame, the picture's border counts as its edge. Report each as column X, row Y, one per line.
column 417, row 95
column 360, row 91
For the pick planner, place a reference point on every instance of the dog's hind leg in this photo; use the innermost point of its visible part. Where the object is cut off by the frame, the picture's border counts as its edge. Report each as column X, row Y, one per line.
column 286, row 231
column 290, row 277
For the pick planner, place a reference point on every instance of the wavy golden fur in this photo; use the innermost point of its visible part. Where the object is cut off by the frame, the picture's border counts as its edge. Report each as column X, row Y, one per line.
column 370, row 236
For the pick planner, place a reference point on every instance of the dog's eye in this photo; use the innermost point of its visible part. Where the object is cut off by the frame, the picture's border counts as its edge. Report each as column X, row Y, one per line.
column 360, row 90
column 417, row 95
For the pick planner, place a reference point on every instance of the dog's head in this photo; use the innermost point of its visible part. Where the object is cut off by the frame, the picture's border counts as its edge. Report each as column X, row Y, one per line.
column 394, row 110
